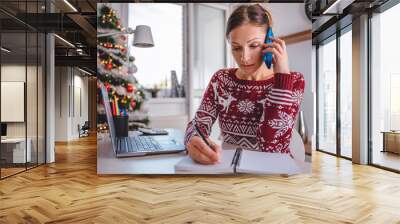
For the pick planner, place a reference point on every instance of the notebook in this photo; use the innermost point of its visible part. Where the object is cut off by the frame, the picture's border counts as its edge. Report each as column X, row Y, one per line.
column 245, row 161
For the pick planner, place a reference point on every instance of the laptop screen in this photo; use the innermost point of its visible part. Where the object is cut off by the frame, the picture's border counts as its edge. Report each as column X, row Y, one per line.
column 110, row 119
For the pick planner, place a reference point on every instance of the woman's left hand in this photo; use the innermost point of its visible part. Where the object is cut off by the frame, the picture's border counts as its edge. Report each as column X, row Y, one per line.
column 279, row 55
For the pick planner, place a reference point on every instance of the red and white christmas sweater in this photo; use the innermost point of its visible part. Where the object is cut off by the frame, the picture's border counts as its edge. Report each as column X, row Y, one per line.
column 257, row 115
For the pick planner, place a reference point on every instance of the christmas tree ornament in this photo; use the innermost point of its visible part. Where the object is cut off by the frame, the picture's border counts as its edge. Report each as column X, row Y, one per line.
column 133, row 104
column 132, row 69
column 116, row 67
column 129, row 88
column 109, row 66
column 120, row 90
column 108, row 87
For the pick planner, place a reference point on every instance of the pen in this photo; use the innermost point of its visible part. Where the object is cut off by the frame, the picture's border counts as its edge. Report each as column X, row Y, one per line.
column 233, row 162
column 201, row 135
column 236, row 159
column 238, row 156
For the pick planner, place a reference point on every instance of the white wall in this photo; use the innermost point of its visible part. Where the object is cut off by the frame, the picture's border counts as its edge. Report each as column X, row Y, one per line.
column 33, row 127
column 288, row 18
column 80, row 118
column 68, row 82
column 15, row 72
column 61, row 103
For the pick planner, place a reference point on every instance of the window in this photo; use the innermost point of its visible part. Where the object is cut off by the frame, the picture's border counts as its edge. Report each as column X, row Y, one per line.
column 327, row 97
column 209, row 54
column 385, row 88
column 346, row 94
column 22, row 77
column 209, row 43
column 394, row 101
column 156, row 64
column 335, row 94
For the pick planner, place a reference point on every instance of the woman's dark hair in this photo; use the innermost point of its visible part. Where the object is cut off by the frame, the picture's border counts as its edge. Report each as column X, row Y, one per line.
column 255, row 14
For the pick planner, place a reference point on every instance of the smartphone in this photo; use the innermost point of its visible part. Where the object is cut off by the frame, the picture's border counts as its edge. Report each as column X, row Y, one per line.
column 268, row 56
column 153, row 131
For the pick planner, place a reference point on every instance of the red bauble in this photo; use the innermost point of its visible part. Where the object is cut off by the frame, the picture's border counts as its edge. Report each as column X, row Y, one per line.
column 109, row 66
column 123, row 50
column 130, row 88
column 108, row 87
column 133, row 104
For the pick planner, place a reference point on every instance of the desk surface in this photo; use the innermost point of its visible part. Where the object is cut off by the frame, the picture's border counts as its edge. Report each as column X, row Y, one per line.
column 390, row 132
column 107, row 163
column 14, row 140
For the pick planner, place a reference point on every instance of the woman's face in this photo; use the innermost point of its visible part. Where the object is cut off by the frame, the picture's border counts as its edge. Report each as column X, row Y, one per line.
column 246, row 45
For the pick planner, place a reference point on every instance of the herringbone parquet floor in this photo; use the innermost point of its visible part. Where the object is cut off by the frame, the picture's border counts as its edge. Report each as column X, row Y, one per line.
column 70, row 191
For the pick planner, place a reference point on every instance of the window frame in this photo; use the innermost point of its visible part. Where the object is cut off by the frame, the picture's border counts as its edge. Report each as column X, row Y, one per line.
column 185, row 50
column 381, row 9
column 334, row 37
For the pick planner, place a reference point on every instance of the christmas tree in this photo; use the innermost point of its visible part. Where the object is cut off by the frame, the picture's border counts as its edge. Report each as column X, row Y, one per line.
column 115, row 69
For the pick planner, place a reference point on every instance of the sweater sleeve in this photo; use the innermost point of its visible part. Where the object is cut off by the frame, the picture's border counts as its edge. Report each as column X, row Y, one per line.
column 207, row 112
column 281, row 107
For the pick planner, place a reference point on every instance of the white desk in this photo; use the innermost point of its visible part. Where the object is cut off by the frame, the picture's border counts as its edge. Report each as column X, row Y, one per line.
column 107, row 163
column 18, row 150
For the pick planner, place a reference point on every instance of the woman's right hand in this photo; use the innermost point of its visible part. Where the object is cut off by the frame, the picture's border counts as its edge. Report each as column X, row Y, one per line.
column 200, row 152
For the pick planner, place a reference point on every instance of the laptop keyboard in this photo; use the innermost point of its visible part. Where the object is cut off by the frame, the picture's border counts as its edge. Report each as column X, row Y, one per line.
column 143, row 143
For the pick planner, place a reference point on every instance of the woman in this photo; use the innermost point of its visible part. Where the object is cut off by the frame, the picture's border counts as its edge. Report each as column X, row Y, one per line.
column 255, row 106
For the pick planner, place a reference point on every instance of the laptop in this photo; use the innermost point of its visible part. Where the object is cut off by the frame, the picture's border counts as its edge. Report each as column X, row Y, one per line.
column 137, row 144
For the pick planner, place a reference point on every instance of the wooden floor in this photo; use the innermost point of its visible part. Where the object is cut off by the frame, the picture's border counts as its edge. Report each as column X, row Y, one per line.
column 70, row 191
column 10, row 171
column 387, row 159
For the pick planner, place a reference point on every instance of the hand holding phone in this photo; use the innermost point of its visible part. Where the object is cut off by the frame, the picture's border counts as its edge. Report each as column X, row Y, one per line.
column 268, row 56
column 275, row 52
